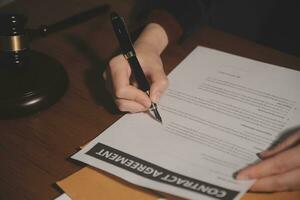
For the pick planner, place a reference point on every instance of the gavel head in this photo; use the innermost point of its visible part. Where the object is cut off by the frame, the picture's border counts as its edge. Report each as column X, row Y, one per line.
column 13, row 39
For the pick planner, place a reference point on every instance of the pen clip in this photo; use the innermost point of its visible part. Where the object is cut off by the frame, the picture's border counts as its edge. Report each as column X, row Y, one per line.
column 128, row 51
column 126, row 29
column 122, row 34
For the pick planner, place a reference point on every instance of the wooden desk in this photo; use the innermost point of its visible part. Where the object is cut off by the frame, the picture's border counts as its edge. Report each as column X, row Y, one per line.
column 35, row 151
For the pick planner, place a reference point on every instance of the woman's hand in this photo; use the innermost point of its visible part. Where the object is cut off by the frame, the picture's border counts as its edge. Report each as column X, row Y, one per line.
column 279, row 169
column 148, row 48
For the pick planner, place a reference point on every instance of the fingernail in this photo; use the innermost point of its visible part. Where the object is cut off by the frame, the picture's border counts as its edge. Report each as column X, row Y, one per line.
column 242, row 177
column 259, row 155
column 140, row 108
column 234, row 175
column 147, row 104
column 264, row 154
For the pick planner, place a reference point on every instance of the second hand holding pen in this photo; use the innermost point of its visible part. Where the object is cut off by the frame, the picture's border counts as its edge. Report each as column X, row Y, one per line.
column 130, row 55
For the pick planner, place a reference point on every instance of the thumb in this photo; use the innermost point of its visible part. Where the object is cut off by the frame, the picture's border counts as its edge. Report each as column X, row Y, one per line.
column 159, row 83
column 287, row 143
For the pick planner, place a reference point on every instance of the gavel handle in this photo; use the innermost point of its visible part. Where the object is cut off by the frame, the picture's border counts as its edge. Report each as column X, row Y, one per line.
column 44, row 30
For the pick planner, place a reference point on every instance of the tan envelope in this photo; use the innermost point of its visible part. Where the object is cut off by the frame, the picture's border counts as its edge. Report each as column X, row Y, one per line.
column 273, row 196
column 93, row 184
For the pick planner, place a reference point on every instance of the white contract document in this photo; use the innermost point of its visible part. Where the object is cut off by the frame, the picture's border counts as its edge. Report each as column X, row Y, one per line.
column 218, row 112
column 63, row 197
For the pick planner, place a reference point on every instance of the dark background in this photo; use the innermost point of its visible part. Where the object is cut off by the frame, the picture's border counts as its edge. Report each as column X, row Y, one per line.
column 274, row 23
column 35, row 150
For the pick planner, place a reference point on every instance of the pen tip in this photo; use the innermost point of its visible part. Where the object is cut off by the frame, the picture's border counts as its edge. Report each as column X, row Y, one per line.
column 159, row 119
column 155, row 112
column 157, row 116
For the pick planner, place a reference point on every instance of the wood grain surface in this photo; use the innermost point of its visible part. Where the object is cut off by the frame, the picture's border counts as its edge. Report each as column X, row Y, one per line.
column 35, row 150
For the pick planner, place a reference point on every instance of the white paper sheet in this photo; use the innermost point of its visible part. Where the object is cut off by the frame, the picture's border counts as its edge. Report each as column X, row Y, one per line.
column 63, row 197
column 219, row 111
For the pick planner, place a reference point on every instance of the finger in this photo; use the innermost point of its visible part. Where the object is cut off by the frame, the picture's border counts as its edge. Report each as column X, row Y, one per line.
column 133, row 82
column 116, row 74
column 133, row 94
column 282, row 162
column 129, row 106
column 104, row 75
column 119, row 71
column 159, row 83
column 287, row 143
column 282, row 182
column 120, row 76
column 120, row 80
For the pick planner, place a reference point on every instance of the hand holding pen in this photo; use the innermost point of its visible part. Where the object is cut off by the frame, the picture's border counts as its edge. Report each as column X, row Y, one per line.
column 148, row 48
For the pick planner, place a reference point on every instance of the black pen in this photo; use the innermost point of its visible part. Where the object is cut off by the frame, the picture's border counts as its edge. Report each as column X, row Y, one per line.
column 129, row 54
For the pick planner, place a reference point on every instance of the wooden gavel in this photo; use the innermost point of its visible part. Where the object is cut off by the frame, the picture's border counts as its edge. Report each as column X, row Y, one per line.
column 30, row 80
